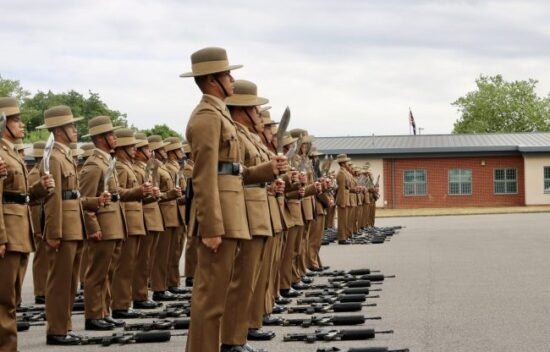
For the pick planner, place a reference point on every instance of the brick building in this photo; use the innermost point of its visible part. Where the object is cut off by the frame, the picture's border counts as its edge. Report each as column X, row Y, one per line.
column 433, row 171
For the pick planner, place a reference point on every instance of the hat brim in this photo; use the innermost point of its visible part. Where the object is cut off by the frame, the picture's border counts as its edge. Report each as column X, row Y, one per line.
column 155, row 146
column 265, row 108
column 257, row 101
column 75, row 119
column 97, row 134
column 290, row 141
column 209, row 72
column 142, row 143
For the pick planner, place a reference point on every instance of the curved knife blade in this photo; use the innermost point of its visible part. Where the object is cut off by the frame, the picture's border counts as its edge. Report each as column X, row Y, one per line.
column 48, row 153
column 109, row 174
column 283, row 126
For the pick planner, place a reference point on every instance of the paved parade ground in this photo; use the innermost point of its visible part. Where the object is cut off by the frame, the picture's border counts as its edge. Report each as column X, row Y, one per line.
column 464, row 283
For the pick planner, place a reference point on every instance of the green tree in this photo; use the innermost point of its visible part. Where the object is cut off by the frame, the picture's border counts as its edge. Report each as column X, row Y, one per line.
column 12, row 88
column 501, row 106
column 162, row 130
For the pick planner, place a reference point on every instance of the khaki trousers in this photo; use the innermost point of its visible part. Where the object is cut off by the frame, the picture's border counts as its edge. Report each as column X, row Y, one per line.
column 40, row 267
column 372, row 216
column 342, row 233
column 159, row 272
column 124, row 273
column 359, row 218
column 21, row 277
column 10, row 267
column 210, row 288
column 276, row 281
column 315, row 239
column 352, row 212
column 301, row 260
column 143, row 266
column 83, row 261
column 246, row 272
column 61, row 285
column 191, row 256
column 288, row 257
column 103, row 258
column 176, row 250
column 258, row 305
column 273, row 287
column 329, row 221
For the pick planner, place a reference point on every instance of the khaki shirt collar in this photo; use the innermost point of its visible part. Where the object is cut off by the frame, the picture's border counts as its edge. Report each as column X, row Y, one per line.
column 107, row 156
column 217, row 102
column 10, row 144
column 64, row 148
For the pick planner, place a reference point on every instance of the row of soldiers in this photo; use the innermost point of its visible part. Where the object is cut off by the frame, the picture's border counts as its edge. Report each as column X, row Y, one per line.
column 250, row 223
column 258, row 208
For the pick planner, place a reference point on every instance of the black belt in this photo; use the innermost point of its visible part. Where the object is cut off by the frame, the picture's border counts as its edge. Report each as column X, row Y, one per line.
column 256, row 185
column 229, row 168
column 70, row 195
column 115, row 197
column 16, row 198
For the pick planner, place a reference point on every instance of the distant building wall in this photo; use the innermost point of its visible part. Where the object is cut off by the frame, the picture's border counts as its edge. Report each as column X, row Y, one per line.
column 437, row 182
column 534, row 179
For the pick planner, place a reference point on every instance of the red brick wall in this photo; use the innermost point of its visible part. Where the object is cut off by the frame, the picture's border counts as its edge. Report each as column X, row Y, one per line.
column 437, row 182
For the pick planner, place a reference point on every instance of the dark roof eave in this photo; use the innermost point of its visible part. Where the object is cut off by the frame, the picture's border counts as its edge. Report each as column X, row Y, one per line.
column 420, row 151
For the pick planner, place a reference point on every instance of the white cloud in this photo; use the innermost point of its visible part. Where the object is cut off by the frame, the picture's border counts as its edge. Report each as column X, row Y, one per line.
column 348, row 67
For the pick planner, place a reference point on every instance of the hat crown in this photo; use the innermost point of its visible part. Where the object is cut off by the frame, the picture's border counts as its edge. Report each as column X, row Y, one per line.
column 60, row 110
column 154, row 138
column 298, row 132
column 124, row 132
column 39, row 145
column 99, row 121
column 266, row 114
column 172, row 140
column 140, row 136
column 208, row 54
column 245, row 87
column 87, row 146
column 9, row 106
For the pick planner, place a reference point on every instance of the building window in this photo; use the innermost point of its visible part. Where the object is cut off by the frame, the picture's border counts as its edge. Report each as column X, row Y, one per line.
column 506, row 181
column 460, row 181
column 547, row 179
column 414, row 182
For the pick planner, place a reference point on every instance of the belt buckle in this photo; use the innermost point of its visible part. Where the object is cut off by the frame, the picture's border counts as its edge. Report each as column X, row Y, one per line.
column 77, row 194
column 27, row 199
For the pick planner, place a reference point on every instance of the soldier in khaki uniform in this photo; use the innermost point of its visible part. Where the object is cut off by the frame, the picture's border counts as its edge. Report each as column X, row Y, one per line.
column 40, row 260
column 105, row 227
column 15, row 223
column 124, row 273
column 87, row 151
column 174, row 152
column 342, row 198
column 170, row 215
column 62, row 226
column 235, row 323
column 192, row 241
column 144, row 170
column 218, row 207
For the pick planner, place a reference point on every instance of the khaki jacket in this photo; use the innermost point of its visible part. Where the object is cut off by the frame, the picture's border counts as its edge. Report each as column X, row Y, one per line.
column 168, row 205
column 352, row 194
column 16, row 229
column 173, row 168
column 257, row 206
column 133, row 211
column 63, row 218
column 218, row 207
column 151, row 210
column 109, row 220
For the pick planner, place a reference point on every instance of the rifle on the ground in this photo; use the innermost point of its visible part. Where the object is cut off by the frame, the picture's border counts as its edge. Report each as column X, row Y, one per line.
column 26, row 325
column 177, row 324
column 77, row 307
column 166, row 313
column 333, row 335
column 369, row 277
column 360, row 349
column 329, row 320
column 334, row 299
column 348, row 284
column 130, row 337
column 344, row 291
column 364, row 271
column 32, row 316
column 326, row 308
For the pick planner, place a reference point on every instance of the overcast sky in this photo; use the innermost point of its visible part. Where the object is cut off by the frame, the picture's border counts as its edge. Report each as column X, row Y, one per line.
column 345, row 67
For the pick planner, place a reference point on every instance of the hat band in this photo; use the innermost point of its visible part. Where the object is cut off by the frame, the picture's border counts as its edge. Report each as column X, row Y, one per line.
column 10, row 110
column 57, row 120
column 243, row 99
column 100, row 129
column 124, row 141
column 173, row 146
column 210, row 66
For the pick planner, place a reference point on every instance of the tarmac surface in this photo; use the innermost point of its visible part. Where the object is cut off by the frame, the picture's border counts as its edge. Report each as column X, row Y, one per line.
column 464, row 283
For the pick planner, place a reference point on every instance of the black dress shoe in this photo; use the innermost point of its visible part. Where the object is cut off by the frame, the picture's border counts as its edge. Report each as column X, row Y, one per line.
column 300, row 286
column 70, row 333
column 177, row 290
column 260, row 335
column 126, row 314
column 40, row 300
column 62, row 340
column 277, row 309
column 233, row 348
column 98, row 324
column 148, row 304
column 270, row 320
column 188, row 282
column 115, row 322
column 282, row 300
column 164, row 296
column 289, row 293
column 344, row 242
column 307, row 280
